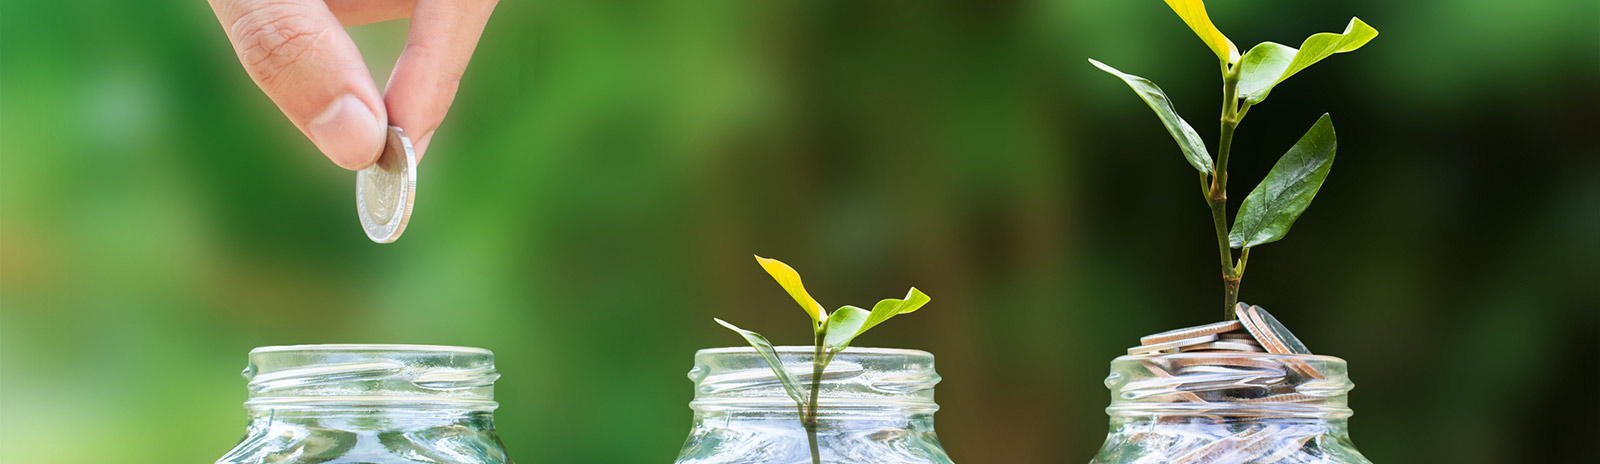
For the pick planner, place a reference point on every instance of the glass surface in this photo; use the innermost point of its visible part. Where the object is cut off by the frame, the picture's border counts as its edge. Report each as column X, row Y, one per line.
column 876, row 406
column 369, row 404
column 1216, row 407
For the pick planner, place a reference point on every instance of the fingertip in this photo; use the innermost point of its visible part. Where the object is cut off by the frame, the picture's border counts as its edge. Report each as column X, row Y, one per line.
column 348, row 132
column 420, row 145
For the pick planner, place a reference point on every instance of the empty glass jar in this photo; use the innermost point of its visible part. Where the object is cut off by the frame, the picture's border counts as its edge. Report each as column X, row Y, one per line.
column 1229, row 407
column 369, row 404
column 876, row 406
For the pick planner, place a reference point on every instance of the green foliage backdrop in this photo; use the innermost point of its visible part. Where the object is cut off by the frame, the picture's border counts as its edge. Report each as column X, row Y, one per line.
column 610, row 166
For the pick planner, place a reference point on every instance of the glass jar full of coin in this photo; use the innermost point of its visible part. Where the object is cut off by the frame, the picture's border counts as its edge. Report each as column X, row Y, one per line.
column 1228, row 407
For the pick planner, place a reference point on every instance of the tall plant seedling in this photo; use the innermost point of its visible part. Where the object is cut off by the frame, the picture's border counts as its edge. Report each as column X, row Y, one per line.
column 1269, row 209
column 833, row 333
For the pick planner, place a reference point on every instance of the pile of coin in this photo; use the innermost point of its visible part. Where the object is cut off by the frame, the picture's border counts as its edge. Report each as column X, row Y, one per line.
column 1213, row 365
column 1270, row 443
column 1255, row 331
column 1221, row 379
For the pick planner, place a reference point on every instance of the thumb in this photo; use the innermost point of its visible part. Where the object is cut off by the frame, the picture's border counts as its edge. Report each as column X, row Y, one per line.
column 300, row 55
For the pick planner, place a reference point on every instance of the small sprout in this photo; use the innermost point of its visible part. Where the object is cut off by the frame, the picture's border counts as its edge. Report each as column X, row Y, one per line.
column 834, row 332
column 1274, row 205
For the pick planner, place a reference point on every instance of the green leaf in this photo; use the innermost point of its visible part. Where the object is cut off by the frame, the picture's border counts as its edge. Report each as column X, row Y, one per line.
column 764, row 347
column 852, row 321
column 1268, row 64
column 891, row 307
column 1194, row 149
column 1261, row 67
column 1194, row 14
column 843, row 327
column 1265, row 215
column 790, row 281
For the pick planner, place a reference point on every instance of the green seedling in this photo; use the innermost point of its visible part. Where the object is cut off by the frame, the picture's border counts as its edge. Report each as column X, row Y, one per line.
column 834, row 332
column 1269, row 210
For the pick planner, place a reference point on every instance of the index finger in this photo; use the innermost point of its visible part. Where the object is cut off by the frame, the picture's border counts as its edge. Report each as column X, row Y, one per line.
column 425, row 79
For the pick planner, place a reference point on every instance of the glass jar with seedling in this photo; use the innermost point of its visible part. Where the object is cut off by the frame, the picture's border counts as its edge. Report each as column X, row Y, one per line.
column 1243, row 390
column 827, row 402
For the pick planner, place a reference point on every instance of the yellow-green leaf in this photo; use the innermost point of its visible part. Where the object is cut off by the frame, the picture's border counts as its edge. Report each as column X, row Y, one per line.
column 1268, row 64
column 843, row 326
column 1261, row 67
column 1193, row 13
column 790, row 280
column 850, row 322
column 891, row 307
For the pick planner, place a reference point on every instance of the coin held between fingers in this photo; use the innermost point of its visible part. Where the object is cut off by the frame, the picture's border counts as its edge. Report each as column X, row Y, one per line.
column 385, row 191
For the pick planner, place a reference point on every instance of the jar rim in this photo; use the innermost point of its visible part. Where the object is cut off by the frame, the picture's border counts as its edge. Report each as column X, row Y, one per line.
column 1231, row 354
column 1229, row 383
column 859, row 381
column 383, row 376
column 811, row 350
column 371, row 347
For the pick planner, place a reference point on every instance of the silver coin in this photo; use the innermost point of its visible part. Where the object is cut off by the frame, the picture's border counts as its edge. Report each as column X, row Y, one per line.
column 1272, row 335
column 1227, row 449
column 1231, row 370
column 385, row 190
column 1224, row 359
column 1238, row 336
column 1283, row 398
column 1276, row 338
column 1168, row 387
column 1190, row 332
column 1172, row 345
column 1224, row 345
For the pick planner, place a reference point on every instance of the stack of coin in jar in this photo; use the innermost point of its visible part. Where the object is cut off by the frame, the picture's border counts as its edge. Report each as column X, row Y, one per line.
column 1211, row 369
column 1220, row 381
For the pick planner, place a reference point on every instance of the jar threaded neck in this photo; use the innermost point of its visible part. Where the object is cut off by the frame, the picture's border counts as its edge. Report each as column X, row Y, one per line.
column 859, row 381
column 364, row 377
column 1229, row 384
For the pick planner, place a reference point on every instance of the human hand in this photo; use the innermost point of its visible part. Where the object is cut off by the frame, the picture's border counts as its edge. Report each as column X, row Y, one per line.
column 297, row 51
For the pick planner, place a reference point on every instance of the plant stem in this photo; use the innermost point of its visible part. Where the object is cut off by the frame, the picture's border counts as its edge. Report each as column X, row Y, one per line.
column 1217, row 198
column 818, row 364
column 1230, row 278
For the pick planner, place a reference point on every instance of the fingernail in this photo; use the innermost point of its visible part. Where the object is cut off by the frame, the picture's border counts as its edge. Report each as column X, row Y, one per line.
column 347, row 132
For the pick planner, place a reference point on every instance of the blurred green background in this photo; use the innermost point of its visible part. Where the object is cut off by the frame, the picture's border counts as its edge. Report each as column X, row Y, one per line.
column 610, row 166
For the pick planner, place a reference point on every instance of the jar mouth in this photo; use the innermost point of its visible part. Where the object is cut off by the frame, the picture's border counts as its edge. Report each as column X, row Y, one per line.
column 1228, row 384
column 804, row 350
column 1319, row 358
column 859, row 381
column 366, row 376
column 370, row 347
